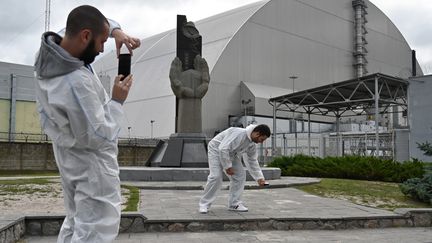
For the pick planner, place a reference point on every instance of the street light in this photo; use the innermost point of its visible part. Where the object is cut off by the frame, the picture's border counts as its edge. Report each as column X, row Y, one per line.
column 293, row 79
column 293, row 118
column 151, row 124
column 245, row 103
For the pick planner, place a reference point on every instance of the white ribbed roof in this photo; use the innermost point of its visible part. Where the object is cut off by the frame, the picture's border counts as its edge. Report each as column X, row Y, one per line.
column 266, row 91
column 151, row 62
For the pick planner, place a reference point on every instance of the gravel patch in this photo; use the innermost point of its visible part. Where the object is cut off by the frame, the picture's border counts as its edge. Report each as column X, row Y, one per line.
column 36, row 199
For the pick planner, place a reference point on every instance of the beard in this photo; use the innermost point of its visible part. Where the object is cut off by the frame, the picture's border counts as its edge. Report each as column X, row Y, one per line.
column 89, row 54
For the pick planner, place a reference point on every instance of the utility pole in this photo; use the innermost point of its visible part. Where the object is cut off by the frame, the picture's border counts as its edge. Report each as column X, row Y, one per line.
column 294, row 126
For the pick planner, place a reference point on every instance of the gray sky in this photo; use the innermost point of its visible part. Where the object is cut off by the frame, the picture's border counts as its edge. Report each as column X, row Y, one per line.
column 22, row 22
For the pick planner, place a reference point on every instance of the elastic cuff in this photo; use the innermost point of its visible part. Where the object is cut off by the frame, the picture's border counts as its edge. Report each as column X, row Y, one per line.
column 112, row 26
column 111, row 33
column 227, row 166
column 120, row 102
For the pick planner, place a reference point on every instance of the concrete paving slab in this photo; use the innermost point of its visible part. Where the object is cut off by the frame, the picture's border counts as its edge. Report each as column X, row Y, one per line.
column 387, row 235
column 281, row 203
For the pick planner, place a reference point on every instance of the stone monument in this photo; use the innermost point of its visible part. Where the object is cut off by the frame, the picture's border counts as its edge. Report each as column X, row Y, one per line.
column 189, row 77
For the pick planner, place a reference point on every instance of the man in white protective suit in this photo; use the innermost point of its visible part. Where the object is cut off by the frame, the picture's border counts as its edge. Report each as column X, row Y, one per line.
column 83, row 123
column 224, row 152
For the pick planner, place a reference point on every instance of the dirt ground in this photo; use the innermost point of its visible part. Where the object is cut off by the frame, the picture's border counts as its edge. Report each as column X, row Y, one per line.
column 32, row 199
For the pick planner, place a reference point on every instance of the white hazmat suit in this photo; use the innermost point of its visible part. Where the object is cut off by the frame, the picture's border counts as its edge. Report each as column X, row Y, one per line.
column 224, row 151
column 83, row 123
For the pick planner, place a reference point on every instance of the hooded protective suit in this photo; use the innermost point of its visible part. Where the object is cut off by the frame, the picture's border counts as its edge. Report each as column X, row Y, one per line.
column 224, row 151
column 83, row 123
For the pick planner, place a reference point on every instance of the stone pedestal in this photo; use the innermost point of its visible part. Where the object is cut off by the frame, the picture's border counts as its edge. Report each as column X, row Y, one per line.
column 189, row 119
column 182, row 150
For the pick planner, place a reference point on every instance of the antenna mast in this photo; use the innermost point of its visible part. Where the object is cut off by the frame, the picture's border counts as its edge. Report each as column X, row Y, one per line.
column 47, row 14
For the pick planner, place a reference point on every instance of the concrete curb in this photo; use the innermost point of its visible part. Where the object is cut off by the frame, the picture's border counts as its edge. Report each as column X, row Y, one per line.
column 199, row 185
column 12, row 228
column 135, row 222
column 129, row 173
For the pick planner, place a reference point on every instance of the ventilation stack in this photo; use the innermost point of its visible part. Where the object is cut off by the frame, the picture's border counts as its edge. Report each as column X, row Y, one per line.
column 360, row 42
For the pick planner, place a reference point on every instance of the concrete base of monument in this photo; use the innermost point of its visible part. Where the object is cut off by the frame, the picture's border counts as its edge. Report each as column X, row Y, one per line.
column 181, row 150
column 181, row 174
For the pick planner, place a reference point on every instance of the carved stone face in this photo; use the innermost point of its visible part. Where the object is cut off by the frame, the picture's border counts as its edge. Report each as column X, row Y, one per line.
column 190, row 31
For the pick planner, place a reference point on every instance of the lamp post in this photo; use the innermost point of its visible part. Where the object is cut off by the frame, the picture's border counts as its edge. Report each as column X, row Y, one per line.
column 151, row 124
column 245, row 103
column 293, row 118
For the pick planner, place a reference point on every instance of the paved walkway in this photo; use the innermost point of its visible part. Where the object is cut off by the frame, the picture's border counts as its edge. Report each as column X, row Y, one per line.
column 263, row 204
column 390, row 235
column 178, row 201
column 278, row 201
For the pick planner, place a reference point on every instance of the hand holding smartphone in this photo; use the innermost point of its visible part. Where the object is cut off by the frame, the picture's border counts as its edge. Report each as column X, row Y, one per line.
column 124, row 64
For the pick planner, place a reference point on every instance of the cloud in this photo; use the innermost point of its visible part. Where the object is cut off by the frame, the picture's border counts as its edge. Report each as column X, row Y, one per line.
column 413, row 19
column 23, row 22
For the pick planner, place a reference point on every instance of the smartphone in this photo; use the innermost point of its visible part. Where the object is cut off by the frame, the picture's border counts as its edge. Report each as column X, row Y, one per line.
column 266, row 184
column 124, row 65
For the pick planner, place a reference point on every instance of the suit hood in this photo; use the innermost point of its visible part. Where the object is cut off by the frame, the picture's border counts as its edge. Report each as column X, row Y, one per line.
column 52, row 60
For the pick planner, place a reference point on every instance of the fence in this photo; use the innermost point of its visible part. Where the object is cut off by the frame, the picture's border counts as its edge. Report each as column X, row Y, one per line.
column 360, row 144
column 34, row 152
column 330, row 144
column 23, row 137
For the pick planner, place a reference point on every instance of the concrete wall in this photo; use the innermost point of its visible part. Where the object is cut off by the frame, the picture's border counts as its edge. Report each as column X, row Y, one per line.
column 26, row 156
column 401, row 145
column 27, row 118
column 39, row 156
column 4, row 117
column 17, row 99
column 419, row 115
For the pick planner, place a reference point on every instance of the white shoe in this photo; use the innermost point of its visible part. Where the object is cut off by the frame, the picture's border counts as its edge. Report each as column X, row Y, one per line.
column 238, row 208
column 203, row 209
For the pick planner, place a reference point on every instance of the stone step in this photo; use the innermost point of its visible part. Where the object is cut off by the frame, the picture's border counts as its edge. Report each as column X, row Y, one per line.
column 131, row 173
column 135, row 222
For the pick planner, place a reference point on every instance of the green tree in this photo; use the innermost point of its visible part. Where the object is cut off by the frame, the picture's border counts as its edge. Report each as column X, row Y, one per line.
column 426, row 147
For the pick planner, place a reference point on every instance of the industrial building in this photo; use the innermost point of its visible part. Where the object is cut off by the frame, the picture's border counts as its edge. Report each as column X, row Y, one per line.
column 268, row 49
column 252, row 52
column 257, row 52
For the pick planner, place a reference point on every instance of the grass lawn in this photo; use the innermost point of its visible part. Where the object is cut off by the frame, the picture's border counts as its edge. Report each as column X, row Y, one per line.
column 24, row 186
column 19, row 173
column 383, row 195
column 133, row 197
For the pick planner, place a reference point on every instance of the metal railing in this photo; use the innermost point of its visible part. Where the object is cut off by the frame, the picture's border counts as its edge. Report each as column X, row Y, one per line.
column 24, row 137
column 326, row 144
column 43, row 138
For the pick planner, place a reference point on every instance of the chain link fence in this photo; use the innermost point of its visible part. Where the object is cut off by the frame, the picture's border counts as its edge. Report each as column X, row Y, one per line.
column 329, row 144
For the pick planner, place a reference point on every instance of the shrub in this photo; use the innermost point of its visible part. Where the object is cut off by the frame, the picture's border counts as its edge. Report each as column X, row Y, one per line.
column 426, row 147
column 419, row 188
column 349, row 167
